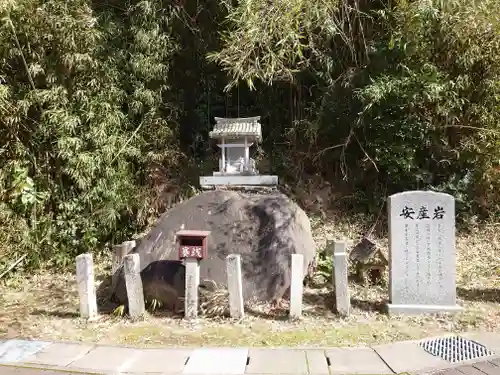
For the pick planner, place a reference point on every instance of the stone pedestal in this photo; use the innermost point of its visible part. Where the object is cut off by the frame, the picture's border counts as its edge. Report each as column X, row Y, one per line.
column 209, row 182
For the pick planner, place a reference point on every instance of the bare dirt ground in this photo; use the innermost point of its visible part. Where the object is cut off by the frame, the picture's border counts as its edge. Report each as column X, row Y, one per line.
column 45, row 306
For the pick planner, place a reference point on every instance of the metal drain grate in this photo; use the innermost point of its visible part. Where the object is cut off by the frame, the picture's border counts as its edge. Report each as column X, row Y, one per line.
column 455, row 349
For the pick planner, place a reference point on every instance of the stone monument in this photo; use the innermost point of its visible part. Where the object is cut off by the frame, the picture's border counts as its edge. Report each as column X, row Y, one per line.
column 235, row 136
column 422, row 276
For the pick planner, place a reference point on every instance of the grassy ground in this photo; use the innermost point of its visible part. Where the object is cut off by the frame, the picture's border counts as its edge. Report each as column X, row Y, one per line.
column 45, row 306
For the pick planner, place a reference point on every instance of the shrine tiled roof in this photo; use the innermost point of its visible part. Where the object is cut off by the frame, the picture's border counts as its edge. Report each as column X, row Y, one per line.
column 237, row 127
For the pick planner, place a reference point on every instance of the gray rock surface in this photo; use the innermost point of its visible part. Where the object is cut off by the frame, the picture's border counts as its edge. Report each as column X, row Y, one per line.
column 265, row 229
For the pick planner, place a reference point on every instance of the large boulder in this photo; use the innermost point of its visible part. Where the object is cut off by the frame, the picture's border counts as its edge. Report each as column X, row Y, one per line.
column 264, row 228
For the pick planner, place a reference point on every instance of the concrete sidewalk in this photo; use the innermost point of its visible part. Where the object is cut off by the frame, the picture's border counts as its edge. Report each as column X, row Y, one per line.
column 27, row 357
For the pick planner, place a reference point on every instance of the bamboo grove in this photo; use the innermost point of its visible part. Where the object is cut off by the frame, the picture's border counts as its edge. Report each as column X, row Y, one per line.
column 105, row 106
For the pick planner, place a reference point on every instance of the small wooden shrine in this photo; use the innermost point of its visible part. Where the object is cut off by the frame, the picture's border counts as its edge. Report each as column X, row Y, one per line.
column 369, row 260
column 235, row 137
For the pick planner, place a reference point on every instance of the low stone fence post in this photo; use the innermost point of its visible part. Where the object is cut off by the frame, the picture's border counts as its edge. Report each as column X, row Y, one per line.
column 296, row 285
column 119, row 252
column 340, row 278
column 86, row 286
column 192, row 284
column 235, row 286
column 133, row 282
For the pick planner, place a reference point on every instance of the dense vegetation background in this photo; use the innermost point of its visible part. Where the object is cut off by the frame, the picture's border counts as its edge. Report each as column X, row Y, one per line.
column 106, row 105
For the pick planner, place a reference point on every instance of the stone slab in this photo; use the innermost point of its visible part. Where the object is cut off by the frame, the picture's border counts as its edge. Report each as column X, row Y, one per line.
column 207, row 181
column 495, row 361
column 489, row 339
column 13, row 351
column 277, row 361
column 470, row 370
column 422, row 252
column 106, row 358
column 356, row 361
column 487, row 368
column 408, row 357
column 59, row 354
column 217, row 361
column 63, row 369
column 450, row 371
column 169, row 361
column 14, row 370
column 316, row 362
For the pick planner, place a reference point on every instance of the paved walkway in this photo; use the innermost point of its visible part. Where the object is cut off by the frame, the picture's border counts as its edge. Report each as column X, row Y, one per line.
column 47, row 358
column 10, row 370
column 491, row 367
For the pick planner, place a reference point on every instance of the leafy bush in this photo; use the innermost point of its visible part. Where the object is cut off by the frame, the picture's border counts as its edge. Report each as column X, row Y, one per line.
column 105, row 108
column 83, row 117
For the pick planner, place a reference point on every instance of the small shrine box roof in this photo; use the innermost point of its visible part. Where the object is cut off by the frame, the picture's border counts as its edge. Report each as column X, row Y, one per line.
column 367, row 252
column 232, row 128
column 192, row 233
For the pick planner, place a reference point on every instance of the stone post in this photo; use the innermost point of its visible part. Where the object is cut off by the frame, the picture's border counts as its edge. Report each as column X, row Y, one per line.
column 133, row 282
column 119, row 252
column 340, row 281
column 297, row 285
column 86, row 286
column 234, row 283
column 192, row 283
column 330, row 246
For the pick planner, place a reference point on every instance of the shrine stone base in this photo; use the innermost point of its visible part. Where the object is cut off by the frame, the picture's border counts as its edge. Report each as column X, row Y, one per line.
column 210, row 182
column 393, row 309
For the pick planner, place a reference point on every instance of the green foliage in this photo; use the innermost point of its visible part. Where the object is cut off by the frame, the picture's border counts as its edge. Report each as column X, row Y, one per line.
column 154, row 305
column 119, row 311
column 82, row 120
column 105, row 107
column 402, row 95
column 432, row 117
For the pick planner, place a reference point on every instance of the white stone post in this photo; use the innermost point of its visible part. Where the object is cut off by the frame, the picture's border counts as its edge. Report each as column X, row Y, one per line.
column 223, row 149
column 86, row 286
column 340, row 280
column 330, row 246
column 235, row 286
column 297, row 285
column 247, row 154
column 133, row 282
column 119, row 252
column 192, row 283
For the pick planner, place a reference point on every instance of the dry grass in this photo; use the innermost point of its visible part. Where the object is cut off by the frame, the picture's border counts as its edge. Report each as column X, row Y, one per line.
column 45, row 306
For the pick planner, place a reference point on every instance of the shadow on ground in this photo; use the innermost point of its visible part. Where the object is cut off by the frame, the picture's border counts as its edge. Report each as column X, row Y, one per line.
column 105, row 305
column 366, row 305
column 317, row 302
column 57, row 314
